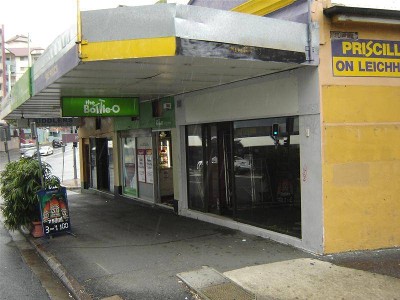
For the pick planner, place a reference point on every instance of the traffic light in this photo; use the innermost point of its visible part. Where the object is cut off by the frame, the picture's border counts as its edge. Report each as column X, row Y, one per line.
column 275, row 129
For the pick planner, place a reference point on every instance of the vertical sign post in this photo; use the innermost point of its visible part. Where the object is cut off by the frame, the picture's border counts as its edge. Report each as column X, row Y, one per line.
column 34, row 135
column 63, row 152
column 5, row 136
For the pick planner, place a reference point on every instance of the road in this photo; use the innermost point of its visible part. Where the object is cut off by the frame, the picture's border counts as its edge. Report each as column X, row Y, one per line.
column 17, row 281
column 63, row 168
column 23, row 274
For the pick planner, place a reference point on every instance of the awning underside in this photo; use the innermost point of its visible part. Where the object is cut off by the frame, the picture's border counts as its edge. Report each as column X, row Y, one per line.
column 195, row 65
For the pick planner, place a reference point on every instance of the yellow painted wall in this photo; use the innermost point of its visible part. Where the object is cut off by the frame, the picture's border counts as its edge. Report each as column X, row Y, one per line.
column 360, row 120
column 361, row 167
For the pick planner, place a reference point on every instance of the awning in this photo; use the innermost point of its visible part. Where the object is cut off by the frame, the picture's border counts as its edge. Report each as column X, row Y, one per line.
column 160, row 50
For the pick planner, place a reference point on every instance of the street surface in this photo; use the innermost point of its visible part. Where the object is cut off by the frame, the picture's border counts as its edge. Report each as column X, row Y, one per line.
column 17, row 281
column 63, row 169
column 23, row 273
column 134, row 251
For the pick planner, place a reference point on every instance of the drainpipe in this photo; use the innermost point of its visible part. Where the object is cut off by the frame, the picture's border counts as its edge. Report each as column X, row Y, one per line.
column 310, row 56
column 79, row 28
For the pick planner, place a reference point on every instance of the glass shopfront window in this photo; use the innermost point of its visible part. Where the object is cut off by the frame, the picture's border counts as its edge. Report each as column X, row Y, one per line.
column 195, row 167
column 129, row 167
column 137, row 165
column 267, row 174
column 93, row 169
column 249, row 170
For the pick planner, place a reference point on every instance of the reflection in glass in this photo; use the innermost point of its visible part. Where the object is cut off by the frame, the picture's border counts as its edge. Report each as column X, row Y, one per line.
column 93, row 168
column 252, row 174
column 129, row 166
column 213, row 169
column 267, row 174
column 195, row 166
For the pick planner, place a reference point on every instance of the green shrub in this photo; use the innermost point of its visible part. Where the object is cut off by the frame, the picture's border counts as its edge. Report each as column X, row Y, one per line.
column 20, row 182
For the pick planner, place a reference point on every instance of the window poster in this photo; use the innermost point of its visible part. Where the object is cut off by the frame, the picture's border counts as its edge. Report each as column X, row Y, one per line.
column 149, row 165
column 141, row 165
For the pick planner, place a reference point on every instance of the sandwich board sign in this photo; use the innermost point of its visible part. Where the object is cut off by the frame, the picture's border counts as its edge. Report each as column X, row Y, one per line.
column 54, row 211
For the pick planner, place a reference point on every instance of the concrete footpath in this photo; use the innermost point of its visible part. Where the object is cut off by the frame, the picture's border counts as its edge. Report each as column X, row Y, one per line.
column 125, row 250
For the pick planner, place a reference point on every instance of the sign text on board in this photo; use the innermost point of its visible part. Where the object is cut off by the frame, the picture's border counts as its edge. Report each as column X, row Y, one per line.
column 99, row 107
column 366, row 58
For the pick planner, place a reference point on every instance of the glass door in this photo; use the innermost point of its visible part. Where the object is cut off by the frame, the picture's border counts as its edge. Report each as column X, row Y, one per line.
column 129, row 166
column 209, row 167
column 93, row 168
column 226, row 183
column 212, row 169
column 102, row 164
column 165, row 168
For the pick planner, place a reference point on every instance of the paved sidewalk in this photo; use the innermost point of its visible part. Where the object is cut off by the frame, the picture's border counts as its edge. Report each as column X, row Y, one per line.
column 132, row 251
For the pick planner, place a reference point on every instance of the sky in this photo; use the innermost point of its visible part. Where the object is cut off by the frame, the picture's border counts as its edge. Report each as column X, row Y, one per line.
column 44, row 20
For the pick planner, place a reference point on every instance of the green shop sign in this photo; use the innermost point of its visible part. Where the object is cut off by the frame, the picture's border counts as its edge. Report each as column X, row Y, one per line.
column 99, row 107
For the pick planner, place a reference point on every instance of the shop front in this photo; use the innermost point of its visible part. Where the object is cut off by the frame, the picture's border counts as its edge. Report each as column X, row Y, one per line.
column 206, row 107
column 146, row 153
column 248, row 170
column 250, row 148
column 97, row 152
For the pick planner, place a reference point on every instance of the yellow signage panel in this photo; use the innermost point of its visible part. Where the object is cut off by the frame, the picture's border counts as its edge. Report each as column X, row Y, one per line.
column 366, row 58
column 366, row 67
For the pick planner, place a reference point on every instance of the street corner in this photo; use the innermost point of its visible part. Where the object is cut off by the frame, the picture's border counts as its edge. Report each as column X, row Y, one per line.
column 307, row 278
column 212, row 285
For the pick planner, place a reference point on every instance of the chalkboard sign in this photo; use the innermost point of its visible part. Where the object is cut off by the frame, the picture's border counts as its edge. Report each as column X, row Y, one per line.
column 54, row 211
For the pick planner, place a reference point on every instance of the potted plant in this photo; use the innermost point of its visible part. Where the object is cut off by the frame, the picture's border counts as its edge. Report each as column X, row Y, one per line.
column 20, row 182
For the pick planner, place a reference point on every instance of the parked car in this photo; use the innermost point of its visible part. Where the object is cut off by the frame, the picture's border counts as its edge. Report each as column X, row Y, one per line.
column 24, row 147
column 46, row 150
column 57, row 143
column 241, row 165
column 29, row 153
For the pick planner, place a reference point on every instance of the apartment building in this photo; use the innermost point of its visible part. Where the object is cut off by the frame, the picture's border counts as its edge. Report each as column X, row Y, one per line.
column 19, row 56
column 2, row 64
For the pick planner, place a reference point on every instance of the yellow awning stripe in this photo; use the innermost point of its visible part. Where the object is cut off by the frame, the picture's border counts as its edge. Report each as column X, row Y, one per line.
column 139, row 48
column 261, row 7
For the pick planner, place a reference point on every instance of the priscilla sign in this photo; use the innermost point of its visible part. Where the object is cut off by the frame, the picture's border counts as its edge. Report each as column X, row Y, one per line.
column 365, row 58
column 99, row 107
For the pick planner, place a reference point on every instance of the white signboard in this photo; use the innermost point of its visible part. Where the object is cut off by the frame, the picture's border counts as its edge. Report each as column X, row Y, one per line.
column 141, row 165
column 149, row 166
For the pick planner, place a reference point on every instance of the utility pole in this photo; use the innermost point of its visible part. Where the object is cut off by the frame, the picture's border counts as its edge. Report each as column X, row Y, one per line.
column 35, row 135
column 5, row 136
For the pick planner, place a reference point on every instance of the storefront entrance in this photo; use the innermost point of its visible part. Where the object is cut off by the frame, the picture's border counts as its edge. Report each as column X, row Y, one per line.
column 137, row 164
column 210, row 167
column 248, row 170
column 165, row 168
column 101, row 164
column 147, row 170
